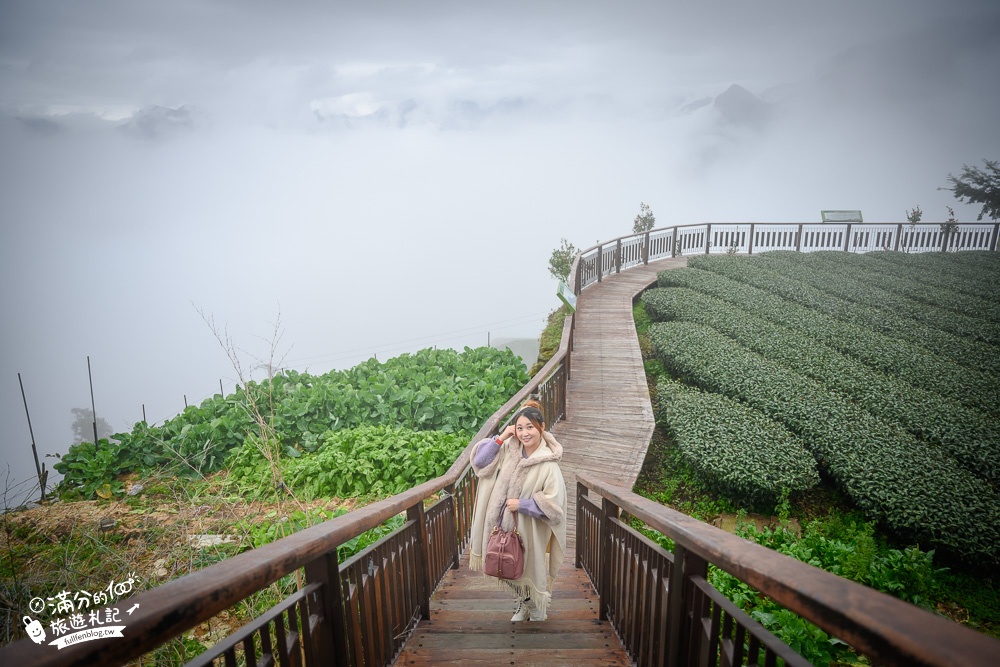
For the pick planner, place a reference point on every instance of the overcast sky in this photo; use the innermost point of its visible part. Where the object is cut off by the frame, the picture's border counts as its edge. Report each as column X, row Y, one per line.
column 394, row 175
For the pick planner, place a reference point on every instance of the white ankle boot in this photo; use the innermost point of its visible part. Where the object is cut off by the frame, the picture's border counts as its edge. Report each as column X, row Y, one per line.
column 534, row 613
column 523, row 611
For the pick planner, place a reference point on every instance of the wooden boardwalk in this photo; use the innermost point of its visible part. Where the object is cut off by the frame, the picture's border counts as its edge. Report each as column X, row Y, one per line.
column 609, row 417
column 609, row 422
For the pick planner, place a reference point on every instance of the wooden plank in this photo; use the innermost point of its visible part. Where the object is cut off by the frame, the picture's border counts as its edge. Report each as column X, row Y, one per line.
column 479, row 625
column 506, row 605
column 514, row 639
column 521, row 658
column 578, row 613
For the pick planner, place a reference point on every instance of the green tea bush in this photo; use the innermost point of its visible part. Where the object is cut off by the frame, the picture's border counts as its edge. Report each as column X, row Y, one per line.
column 918, row 491
column 971, row 436
column 833, row 273
column 976, row 274
column 734, row 448
column 936, row 288
column 799, row 283
column 894, row 357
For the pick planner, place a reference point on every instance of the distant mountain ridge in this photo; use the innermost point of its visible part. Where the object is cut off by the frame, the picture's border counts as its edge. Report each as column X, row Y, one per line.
column 738, row 106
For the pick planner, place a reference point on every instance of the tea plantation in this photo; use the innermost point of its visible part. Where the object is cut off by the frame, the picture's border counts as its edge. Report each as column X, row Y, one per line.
column 878, row 372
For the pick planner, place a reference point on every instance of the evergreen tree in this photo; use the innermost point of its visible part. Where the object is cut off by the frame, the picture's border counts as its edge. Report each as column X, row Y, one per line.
column 979, row 186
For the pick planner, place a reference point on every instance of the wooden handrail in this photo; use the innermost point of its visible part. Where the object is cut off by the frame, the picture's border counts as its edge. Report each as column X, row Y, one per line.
column 884, row 628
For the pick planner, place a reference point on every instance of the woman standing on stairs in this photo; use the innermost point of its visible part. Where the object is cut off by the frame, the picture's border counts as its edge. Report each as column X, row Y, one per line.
column 519, row 474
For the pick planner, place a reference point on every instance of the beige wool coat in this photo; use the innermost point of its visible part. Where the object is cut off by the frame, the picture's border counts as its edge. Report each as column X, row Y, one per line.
column 539, row 476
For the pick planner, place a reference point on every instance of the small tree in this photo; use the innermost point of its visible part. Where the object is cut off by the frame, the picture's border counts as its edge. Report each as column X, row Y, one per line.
column 979, row 186
column 949, row 226
column 83, row 426
column 561, row 261
column 645, row 220
column 913, row 216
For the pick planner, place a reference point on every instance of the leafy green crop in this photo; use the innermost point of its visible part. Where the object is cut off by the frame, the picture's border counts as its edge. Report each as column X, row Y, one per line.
column 432, row 390
column 362, row 461
column 88, row 468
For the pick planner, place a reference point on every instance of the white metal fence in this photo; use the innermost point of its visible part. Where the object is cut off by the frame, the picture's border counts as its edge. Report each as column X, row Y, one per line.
column 751, row 238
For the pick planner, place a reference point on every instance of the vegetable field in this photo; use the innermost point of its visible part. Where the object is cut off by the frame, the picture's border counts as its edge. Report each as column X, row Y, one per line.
column 883, row 368
column 374, row 429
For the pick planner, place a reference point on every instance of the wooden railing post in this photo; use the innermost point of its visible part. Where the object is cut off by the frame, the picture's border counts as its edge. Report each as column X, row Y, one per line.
column 995, row 236
column 618, row 256
column 608, row 511
column 416, row 514
column 600, row 262
column 645, row 249
column 798, row 239
column 750, row 247
column 330, row 638
column 459, row 538
column 708, row 238
column 679, row 606
column 899, row 234
column 581, row 491
column 847, row 238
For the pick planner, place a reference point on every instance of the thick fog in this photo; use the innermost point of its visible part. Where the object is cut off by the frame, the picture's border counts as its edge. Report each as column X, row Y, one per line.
column 392, row 176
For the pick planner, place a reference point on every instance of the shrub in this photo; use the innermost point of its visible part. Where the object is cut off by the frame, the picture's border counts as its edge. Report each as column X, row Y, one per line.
column 734, row 448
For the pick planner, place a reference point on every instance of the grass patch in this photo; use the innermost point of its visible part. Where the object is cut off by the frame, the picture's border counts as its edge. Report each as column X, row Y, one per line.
column 61, row 546
column 548, row 341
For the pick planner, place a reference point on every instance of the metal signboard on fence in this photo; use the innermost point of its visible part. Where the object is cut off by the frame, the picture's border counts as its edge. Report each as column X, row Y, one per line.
column 841, row 216
column 567, row 296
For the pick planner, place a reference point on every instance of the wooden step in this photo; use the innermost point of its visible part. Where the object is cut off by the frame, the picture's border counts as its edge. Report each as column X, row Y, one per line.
column 470, row 625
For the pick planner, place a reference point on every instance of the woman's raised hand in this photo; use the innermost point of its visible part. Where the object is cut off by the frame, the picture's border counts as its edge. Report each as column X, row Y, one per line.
column 507, row 433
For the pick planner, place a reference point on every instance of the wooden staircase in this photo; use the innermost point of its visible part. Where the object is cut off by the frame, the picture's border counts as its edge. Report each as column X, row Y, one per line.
column 470, row 625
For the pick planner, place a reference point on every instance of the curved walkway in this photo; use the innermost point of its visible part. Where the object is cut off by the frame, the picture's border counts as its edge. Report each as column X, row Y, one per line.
column 609, row 417
column 609, row 422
